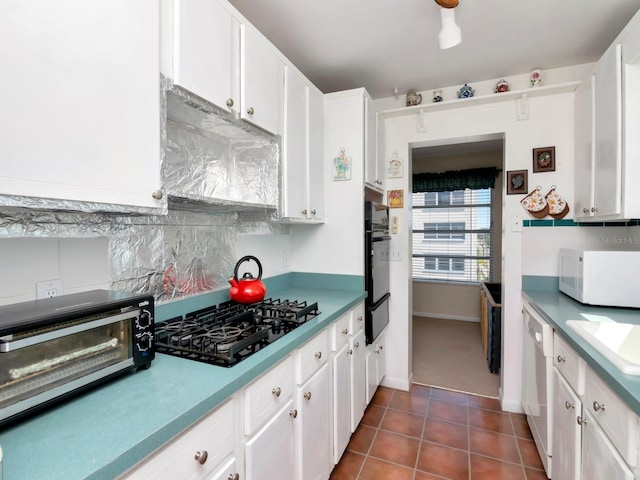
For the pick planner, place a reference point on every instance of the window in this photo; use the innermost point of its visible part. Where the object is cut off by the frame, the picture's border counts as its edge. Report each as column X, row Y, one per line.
column 452, row 239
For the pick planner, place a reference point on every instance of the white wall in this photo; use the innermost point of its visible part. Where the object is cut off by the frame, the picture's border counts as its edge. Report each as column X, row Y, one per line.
column 550, row 123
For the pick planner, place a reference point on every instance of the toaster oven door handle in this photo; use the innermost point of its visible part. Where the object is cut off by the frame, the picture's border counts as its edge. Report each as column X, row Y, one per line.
column 9, row 345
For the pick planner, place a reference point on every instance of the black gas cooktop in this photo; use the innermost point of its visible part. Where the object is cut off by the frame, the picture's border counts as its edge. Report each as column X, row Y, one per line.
column 227, row 333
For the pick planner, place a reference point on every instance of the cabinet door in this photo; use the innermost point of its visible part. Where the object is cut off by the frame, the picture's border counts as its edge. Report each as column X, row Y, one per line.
column 370, row 143
column 294, row 146
column 314, row 446
column 82, row 120
column 382, row 358
column 229, row 471
column 270, row 453
column 371, row 368
column 600, row 459
column 381, row 163
column 358, row 388
column 608, row 133
column 260, row 81
column 206, row 51
column 566, row 431
column 341, row 401
column 583, row 180
column 315, row 155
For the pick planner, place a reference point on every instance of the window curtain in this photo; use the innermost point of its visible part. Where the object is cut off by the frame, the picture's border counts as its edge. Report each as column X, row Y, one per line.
column 475, row 178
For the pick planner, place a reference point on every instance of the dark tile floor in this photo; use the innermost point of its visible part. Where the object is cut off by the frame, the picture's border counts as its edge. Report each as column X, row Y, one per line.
column 434, row 434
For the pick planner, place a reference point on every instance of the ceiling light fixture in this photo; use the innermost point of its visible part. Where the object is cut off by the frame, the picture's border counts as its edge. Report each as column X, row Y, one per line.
column 450, row 35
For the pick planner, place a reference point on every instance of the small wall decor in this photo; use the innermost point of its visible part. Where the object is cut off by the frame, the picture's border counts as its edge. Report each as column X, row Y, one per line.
column 342, row 166
column 396, row 198
column 536, row 204
column 544, row 159
column 394, row 169
column 517, row 182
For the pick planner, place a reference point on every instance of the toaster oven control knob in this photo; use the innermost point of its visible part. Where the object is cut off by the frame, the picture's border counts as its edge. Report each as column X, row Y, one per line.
column 144, row 320
column 144, row 342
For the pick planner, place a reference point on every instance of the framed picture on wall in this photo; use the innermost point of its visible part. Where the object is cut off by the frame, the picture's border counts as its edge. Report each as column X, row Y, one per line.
column 517, row 182
column 544, row 159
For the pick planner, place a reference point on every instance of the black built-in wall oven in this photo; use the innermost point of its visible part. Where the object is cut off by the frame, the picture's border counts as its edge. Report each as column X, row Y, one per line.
column 376, row 262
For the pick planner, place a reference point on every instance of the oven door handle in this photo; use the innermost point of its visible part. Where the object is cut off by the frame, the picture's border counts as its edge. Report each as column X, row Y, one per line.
column 374, row 306
column 7, row 344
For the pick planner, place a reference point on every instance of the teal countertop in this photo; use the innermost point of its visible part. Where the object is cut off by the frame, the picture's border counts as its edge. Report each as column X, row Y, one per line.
column 557, row 308
column 101, row 433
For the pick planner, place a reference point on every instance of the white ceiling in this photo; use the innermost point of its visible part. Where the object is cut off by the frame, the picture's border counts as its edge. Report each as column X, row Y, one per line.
column 382, row 44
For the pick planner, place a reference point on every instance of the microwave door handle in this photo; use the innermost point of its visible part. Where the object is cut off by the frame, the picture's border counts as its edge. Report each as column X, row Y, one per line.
column 10, row 346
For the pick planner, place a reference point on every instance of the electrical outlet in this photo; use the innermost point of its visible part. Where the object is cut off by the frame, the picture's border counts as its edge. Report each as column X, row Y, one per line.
column 285, row 258
column 49, row 288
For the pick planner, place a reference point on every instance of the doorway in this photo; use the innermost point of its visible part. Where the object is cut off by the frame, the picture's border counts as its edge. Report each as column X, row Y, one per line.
column 449, row 262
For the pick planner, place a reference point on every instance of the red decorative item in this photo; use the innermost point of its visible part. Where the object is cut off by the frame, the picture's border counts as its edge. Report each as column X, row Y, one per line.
column 247, row 289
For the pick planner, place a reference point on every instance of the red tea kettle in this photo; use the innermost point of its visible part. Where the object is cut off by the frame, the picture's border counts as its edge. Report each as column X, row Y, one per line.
column 247, row 289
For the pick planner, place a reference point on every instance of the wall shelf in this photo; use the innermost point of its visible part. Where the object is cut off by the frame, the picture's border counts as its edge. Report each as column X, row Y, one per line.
column 482, row 99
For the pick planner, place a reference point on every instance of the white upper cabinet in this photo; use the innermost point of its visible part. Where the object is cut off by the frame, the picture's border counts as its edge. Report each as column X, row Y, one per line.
column 303, row 146
column 80, row 116
column 374, row 170
column 212, row 51
column 206, row 50
column 607, row 117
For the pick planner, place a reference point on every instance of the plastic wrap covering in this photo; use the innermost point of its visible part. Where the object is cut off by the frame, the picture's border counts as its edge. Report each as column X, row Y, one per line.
column 215, row 159
column 172, row 256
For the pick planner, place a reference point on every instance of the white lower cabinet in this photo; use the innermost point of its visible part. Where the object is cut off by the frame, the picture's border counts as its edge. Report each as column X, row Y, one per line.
column 375, row 366
column 229, row 471
column 271, row 452
column 358, row 388
column 600, row 459
column 567, row 407
column 341, row 401
column 313, row 401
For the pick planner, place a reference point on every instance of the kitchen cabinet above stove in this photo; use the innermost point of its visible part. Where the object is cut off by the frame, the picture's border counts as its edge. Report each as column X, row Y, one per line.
column 81, row 116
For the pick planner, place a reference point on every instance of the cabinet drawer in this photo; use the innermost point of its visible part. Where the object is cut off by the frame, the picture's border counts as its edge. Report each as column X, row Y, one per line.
column 357, row 319
column 613, row 415
column 340, row 332
column 268, row 393
column 569, row 363
column 213, row 435
column 311, row 356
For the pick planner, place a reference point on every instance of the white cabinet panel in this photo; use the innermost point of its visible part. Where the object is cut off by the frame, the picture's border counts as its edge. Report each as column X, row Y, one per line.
column 82, row 119
column 358, row 388
column 314, row 434
column 341, row 401
column 311, row 356
column 294, row 145
column 271, row 453
column 569, row 363
column 583, row 132
column 261, row 80
column 600, row 460
column 566, row 431
column 315, row 155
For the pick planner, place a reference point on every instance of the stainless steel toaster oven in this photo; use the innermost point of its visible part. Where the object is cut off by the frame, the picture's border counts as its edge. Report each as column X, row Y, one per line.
column 53, row 348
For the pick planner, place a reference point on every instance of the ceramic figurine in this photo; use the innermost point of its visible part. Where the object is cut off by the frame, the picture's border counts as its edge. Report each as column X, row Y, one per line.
column 501, row 86
column 537, row 77
column 413, row 98
column 437, row 96
column 466, row 92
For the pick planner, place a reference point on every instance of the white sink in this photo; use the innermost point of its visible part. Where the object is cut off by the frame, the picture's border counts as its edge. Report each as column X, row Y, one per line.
column 618, row 342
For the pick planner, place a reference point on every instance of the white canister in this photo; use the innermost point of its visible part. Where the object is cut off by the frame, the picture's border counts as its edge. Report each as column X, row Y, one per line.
column 537, row 77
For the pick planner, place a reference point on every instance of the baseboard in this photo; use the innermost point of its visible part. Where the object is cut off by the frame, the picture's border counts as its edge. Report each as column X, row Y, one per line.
column 446, row 317
column 397, row 383
column 510, row 405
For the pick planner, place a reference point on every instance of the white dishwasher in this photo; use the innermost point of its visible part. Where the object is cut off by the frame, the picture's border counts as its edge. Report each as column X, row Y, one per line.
column 537, row 382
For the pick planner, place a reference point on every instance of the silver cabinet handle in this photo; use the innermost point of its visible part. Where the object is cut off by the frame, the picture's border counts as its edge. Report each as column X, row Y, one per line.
column 561, row 359
column 350, row 352
column 157, row 194
column 594, row 210
column 230, row 104
column 357, row 344
column 293, row 413
column 381, row 347
column 201, row 457
column 304, row 212
column 276, row 391
column 568, row 405
column 307, row 395
column 585, row 210
column 360, row 318
column 318, row 355
column 313, row 212
column 233, row 476
column 250, row 111
column 345, row 331
column 377, row 352
column 598, row 406
column 581, row 421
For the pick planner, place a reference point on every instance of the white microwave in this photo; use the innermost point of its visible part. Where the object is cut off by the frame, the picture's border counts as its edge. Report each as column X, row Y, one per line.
column 597, row 277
